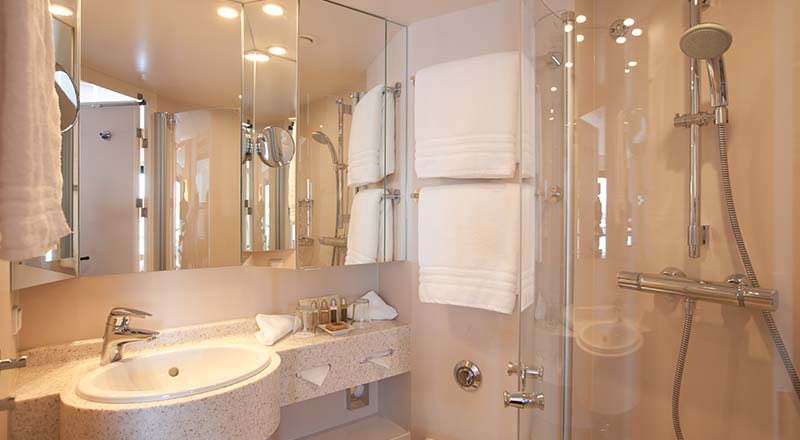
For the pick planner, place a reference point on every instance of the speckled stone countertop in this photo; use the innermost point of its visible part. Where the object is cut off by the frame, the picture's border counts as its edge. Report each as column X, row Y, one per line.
column 53, row 371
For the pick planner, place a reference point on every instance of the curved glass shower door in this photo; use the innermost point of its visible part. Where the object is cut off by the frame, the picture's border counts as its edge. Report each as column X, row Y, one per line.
column 612, row 253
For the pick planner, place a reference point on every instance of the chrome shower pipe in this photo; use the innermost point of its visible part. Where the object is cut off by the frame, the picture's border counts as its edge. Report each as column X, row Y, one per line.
column 697, row 233
column 731, row 293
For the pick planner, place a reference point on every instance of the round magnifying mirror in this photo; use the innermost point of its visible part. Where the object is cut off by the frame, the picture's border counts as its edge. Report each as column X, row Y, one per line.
column 275, row 147
column 67, row 98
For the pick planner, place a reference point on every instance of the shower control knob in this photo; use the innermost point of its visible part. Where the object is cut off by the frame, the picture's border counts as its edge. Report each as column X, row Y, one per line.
column 523, row 400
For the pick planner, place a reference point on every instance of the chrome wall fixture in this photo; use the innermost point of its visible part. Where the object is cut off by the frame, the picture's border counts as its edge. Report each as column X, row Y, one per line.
column 697, row 233
column 673, row 282
column 467, row 375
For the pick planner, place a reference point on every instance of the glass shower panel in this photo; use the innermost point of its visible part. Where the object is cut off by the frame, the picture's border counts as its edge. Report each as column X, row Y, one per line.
column 629, row 206
column 543, row 317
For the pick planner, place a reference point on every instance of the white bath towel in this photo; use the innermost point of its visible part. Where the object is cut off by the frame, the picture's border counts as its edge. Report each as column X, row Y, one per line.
column 31, row 219
column 372, row 128
column 370, row 234
column 271, row 328
column 466, row 118
column 469, row 245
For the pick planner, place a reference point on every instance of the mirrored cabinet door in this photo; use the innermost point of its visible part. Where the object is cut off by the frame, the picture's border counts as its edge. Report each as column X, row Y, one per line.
column 339, row 200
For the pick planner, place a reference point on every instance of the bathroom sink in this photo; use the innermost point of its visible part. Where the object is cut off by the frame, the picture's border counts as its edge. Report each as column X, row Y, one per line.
column 172, row 374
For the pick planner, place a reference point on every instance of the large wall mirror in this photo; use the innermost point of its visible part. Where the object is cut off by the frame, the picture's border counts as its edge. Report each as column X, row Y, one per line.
column 340, row 200
column 215, row 133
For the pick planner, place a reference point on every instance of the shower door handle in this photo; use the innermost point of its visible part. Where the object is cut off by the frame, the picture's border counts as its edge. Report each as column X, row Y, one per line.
column 523, row 400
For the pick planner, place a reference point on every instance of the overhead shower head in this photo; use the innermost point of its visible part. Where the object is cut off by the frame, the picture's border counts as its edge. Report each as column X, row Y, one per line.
column 709, row 41
column 706, row 41
column 323, row 138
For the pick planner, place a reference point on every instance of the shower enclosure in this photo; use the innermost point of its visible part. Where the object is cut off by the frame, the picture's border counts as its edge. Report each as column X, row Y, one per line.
column 617, row 180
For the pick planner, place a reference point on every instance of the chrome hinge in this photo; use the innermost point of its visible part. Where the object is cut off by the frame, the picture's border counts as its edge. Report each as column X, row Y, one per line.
column 523, row 400
column 9, row 364
column 142, row 208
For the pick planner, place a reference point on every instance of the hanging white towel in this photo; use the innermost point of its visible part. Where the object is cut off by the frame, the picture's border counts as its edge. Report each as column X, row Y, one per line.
column 370, row 234
column 466, row 118
column 315, row 375
column 469, row 246
column 31, row 219
column 371, row 129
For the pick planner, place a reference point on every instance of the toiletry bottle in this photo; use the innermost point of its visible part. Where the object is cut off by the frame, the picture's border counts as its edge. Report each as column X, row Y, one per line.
column 324, row 312
column 343, row 309
column 315, row 315
column 334, row 311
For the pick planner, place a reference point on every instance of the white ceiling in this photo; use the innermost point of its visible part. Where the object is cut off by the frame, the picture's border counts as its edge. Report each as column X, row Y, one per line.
column 182, row 50
column 409, row 11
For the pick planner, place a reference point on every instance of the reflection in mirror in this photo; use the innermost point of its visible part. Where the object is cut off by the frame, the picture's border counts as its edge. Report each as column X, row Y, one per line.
column 159, row 134
column 269, row 159
column 275, row 147
column 351, row 135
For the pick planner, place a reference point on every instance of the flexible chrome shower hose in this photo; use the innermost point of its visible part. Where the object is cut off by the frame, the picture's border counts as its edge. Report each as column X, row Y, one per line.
column 727, row 189
column 676, row 384
column 748, row 266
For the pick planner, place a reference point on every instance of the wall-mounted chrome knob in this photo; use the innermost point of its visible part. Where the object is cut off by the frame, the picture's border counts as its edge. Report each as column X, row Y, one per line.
column 525, row 372
column 467, row 375
column 523, row 400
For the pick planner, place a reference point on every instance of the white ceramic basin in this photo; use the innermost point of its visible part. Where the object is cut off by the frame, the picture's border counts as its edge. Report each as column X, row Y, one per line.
column 172, row 374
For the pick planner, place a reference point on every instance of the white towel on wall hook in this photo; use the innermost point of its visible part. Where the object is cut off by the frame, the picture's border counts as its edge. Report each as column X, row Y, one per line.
column 31, row 218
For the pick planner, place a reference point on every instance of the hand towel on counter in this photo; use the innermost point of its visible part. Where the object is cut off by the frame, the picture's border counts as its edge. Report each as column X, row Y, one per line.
column 466, row 118
column 31, row 218
column 369, row 239
column 274, row 327
column 469, row 245
column 368, row 162
column 379, row 310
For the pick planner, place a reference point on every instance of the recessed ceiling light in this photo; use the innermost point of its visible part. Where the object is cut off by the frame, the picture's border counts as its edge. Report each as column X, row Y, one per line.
column 277, row 50
column 627, row 70
column 568, row 27
column 227, row 12
column 636, row 32
column 568, row 64
column 580, row 19
column 632, row 63
column 273, row 9
column 554, row 89
column 579, row 37
column 60, row 10
column 621, row 40
column 628, row 22
column 257, row 56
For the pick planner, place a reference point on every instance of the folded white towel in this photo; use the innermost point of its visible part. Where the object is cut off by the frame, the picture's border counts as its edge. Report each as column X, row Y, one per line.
column 315, row 375
column 273, row 327
column 31, row 219
column 469, row 245
column 466, row 117
column 379, row 310
column 370, row 234
column 371, row 129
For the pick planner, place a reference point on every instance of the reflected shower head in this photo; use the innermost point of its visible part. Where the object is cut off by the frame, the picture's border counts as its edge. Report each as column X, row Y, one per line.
column 709, row 41
column 323, row 138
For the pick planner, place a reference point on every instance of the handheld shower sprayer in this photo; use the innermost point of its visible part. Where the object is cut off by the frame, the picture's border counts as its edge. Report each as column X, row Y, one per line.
column 708, row 41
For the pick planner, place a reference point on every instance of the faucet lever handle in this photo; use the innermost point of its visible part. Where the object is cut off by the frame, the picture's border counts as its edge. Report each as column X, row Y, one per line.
column 127, row 312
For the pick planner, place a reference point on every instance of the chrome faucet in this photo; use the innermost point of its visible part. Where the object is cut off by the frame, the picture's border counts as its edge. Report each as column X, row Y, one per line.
column 118, row 334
